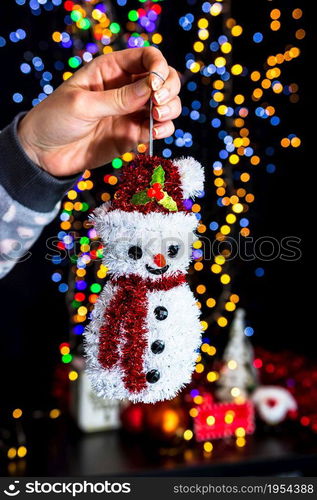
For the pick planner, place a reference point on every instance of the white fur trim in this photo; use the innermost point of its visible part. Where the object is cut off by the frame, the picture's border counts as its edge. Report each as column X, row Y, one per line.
column 192, row 176
column 181, row 332
column 284, row 403
column 153, row 232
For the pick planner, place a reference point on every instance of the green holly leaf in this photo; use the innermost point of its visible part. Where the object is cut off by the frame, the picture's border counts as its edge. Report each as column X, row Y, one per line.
column 158, row 176
column 168, row 202
column 140, row 198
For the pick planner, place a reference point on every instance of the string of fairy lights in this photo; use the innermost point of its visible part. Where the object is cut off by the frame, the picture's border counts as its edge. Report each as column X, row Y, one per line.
column 92, row 28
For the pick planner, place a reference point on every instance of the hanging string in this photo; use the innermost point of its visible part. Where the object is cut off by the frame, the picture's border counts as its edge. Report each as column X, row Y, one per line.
column 151, row 117
column 151, row 129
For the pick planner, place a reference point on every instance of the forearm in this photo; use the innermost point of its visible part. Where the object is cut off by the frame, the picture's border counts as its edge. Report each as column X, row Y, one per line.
column 29, row 199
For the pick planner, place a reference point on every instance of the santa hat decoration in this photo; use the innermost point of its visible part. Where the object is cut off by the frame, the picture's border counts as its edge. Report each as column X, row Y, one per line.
column 145, row 331
column 153, row 184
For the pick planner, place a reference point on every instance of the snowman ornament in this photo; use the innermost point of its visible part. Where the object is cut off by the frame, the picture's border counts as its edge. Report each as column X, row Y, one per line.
column 141, row 343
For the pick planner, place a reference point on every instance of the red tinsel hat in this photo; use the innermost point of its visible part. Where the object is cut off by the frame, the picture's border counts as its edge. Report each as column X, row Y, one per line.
column 154, row 184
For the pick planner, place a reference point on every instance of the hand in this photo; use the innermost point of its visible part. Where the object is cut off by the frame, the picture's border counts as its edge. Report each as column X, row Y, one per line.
column 102, row 111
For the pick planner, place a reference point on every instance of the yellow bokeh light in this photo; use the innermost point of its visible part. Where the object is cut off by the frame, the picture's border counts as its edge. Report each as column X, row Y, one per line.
column 200, row 289
column 295, row 142
column 193, row 412
column 65, row 350
column 208, row 447
column 234, row 298
column 236, row 30
column 225, row 279
column 235, row 392
column 188, row 434
column 275, row 14
column 57, row 36
column 12, row 453
column 218, row 84
column 73, row 375
column 215, row 268
column 275, row 25
column 82, row 311
column 239, row 99
column 215, row 9
column 204, row 325
column 55, row 413
column 157, row 38
column 220, row 259
column 22, row 451
column 232, row 364
column 230, row 306
column 218, row 96
column 198, row 46
column 234, row 159
column 222, row 321
column 226, row 47
column 212, row 376
column 17, row 413
column 249, row 197
column 210, row 302
column 210, row 420
column 67, row 75
column 196, row 208
column 245, row 177
column 198, row 400
column 203, row 23
column 203, row 34
column 225, row 229
column 255, row 76
column 231, row 218
column 285, row 142
column 237, row 208
column 220, row 62
column 199, row 266
column 199, row 368
column 72, row 195
column 222, row 109
column 240, row 442
column 194, row 67
column 236, row 69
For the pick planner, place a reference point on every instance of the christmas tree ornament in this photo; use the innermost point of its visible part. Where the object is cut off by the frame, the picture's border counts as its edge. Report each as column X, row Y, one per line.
column 238, row 376
column 142, row 341
column 273, row 403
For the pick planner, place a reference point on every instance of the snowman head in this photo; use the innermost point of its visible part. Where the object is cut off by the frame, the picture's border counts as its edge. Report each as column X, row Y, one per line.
column 147, row 230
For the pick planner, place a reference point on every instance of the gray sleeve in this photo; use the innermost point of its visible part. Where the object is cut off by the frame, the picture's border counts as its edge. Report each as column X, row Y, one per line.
column 29, row 198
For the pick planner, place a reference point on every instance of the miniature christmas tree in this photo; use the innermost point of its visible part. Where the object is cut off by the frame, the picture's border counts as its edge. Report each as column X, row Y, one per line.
column 237, row 377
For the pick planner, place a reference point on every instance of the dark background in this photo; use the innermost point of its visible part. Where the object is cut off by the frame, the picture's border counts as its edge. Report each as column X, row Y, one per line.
column 34, row 318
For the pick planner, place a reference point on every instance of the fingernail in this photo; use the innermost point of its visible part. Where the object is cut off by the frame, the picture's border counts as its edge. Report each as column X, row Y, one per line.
column 161, row 95
column 157, row 131
column 141, row 87
column 162, row 111
column 156, row 82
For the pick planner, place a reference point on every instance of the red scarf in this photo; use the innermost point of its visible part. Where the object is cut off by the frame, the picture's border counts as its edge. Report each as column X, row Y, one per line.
column 125, row 317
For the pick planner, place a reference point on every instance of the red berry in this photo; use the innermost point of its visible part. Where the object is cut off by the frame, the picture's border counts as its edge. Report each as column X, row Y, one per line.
column 151, row 193
column 157, row 186
column 159, row 195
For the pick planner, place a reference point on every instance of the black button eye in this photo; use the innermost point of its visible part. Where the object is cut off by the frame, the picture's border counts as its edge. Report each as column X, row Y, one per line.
column 135, row 252
column 173, row 250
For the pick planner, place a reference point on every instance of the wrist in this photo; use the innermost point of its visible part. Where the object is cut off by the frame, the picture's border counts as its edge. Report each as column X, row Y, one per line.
column 24, row 133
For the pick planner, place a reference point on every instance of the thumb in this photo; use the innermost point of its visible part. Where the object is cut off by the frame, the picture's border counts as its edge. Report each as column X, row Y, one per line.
column 118, row 101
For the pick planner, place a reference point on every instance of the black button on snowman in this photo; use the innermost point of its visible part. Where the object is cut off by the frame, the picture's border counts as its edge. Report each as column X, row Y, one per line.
column 145, row 332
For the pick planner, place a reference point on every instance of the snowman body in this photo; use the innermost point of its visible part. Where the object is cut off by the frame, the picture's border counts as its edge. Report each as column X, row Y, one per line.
column 144, row 335
column 174, row 336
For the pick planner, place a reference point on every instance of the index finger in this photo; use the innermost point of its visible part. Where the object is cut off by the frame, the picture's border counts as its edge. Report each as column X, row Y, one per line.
column 141, row 60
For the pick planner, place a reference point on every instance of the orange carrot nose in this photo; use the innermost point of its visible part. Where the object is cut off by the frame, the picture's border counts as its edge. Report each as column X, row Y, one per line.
column 159, row 260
